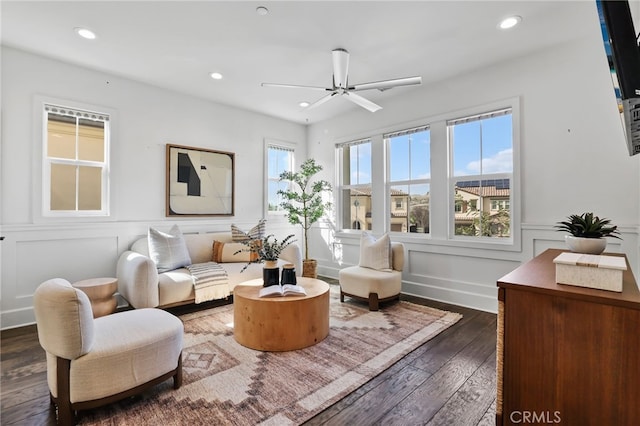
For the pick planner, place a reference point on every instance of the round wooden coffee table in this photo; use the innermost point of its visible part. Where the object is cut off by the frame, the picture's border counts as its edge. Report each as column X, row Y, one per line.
column 281, row 323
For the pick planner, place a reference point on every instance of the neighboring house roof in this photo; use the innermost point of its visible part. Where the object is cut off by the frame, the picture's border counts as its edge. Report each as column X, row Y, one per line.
column 366, row 192
column 486, row 191
column 466, row 217
column 486, row 187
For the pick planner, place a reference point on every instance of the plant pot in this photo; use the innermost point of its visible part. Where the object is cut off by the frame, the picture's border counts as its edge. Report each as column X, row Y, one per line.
column 270, row 273
column 309, row 267
column 288, row 274
column 585, row 245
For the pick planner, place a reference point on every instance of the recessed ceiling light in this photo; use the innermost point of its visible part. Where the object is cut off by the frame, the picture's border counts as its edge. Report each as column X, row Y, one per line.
column 261, row 10
column 304, row 104
column 216, row 76
column 85, row 33
column 509, row 22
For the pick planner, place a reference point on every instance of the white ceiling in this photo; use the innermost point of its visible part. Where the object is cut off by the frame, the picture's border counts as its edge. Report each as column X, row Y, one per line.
column 176, row 44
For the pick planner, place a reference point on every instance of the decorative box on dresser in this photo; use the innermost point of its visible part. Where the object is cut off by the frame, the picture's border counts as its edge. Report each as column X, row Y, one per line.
column 566, row 355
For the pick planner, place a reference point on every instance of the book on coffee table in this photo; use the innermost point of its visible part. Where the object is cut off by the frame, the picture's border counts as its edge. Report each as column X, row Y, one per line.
column 283, row 290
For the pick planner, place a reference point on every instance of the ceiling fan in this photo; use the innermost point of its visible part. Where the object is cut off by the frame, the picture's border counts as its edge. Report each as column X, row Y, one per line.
column 341, row 85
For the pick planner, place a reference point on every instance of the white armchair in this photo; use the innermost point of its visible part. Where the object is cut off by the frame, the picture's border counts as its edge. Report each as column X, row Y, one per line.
column 93, row 362
column 371, row 285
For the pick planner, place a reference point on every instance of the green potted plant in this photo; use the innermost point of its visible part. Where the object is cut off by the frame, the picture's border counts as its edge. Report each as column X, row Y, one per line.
column 587, row 233
column 267, row 250
column 304, row 205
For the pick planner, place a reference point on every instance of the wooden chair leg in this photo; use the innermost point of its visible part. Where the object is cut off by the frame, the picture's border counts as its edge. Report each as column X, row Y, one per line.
column 177, row 379
column 341, row 296
column 65, row 412
column 373, row 302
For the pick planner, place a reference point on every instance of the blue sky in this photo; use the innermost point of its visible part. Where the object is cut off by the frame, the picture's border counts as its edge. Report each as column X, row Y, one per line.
column 481, row 146
column 497, row 147
column 409, row 160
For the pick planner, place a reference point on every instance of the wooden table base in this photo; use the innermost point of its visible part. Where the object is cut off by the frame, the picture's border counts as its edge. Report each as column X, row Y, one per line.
column 281, row 323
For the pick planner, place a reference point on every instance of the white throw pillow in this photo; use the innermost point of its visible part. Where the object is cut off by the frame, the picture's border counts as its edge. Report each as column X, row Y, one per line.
column 168, row 251
column 375, row 253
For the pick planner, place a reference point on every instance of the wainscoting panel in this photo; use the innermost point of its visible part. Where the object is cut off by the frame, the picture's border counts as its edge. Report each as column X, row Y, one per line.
column 32, row 254
column 73, row 260
column 456, row 274
column 30, row 258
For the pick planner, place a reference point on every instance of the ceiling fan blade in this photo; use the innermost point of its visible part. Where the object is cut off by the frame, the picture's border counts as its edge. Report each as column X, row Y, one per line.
column 363, row 102
column 295, row 86
column 388, row 84
column 340, row 67
column 322, row 100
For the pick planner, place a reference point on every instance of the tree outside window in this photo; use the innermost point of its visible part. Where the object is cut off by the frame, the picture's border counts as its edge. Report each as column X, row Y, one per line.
column 409, row 172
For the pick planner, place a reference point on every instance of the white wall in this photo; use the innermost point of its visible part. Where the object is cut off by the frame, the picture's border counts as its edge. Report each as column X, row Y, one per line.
column 146, row 118
column 573, row 159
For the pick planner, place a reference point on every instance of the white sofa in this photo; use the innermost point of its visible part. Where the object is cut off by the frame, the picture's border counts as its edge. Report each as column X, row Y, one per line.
column 143, row 287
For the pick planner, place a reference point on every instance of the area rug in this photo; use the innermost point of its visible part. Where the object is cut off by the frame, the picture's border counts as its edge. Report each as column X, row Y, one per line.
column 226, row 383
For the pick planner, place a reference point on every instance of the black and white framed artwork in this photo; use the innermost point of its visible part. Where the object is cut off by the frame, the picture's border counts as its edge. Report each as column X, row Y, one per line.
column 200, row 182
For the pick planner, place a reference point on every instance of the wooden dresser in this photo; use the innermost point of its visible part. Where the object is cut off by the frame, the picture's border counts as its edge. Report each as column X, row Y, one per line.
column 566, row 355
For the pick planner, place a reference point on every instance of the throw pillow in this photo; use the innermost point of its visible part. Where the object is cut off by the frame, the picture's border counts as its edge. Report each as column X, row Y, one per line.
column 255, row 233
column 227, row 253
column 375, row 253
column 168, row 250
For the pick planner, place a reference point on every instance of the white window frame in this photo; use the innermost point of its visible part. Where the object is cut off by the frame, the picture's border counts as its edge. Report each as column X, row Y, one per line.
column 514, row 241
column 287, row 146
column 441, row 200
column 409, row 182
column 42, row 163
column 340, row 210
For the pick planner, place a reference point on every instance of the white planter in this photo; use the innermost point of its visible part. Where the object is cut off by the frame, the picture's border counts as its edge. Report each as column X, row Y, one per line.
column 585, row 245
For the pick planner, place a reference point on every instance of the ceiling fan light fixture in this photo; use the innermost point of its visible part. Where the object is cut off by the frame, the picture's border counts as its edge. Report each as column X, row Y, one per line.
column 509, row 22
column 262, row 11
column 341, row 88
column 85, row 33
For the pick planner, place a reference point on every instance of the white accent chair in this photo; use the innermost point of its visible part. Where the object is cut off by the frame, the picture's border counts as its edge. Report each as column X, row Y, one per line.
column 93, row 362
column 372, row 285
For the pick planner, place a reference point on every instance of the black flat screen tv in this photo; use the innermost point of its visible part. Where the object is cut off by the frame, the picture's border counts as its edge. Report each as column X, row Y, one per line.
column 621, row 42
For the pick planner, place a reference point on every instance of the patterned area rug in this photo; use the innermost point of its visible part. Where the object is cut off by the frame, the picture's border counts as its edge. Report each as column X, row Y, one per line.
column 226, row 383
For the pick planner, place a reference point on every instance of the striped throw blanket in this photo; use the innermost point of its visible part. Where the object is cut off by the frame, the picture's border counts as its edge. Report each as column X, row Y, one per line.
column 210, row 281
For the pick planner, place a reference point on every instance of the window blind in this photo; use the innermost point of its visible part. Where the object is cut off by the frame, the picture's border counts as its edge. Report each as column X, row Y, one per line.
column 353, row 143
column 406, row 132
column 479, row 117
column 71, row 112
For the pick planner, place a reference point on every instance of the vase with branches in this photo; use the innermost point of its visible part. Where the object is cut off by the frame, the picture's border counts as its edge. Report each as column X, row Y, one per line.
column 266, row 250
column 303, row 203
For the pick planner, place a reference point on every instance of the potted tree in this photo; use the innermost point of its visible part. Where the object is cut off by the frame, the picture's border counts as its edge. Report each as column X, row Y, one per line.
column 587, row 233
column 304, row 205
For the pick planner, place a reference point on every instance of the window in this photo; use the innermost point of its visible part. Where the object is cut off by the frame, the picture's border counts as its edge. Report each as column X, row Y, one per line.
column 279, row 160
column 450, row 179
column 354, row 191
column 481, row 152
column 409, row 166
column 75, row 162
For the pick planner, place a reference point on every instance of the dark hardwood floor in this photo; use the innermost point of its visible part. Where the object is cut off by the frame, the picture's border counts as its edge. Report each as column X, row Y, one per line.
column 449, row 380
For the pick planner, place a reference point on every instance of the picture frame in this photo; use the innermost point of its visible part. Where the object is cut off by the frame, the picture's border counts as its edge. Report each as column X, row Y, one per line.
column 199, row 181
